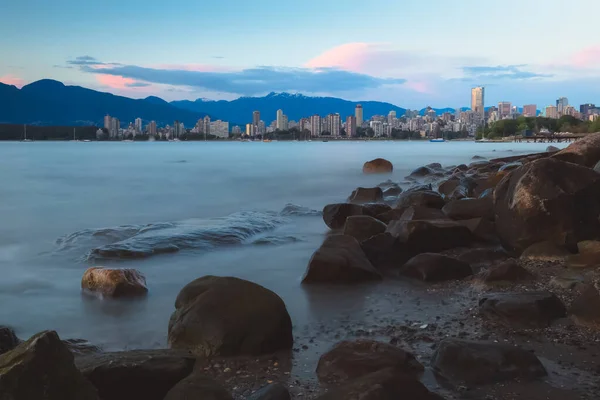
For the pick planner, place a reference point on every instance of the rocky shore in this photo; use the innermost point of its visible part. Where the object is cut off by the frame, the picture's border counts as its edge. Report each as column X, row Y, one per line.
column 477, row 281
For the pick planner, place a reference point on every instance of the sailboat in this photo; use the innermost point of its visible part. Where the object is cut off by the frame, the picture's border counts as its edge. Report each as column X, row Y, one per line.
column 25, row 134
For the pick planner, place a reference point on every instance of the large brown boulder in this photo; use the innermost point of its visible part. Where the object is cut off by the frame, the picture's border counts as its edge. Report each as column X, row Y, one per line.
column 522, row 310
column 340, row 259
column 378, row 166
column 547, row 199
column 480, row 363
column 483, row 229
column 334, row 215
column 417, row 213
column 508, row 271
column 366, row 195
column 352, row 359
column 385, row 252
column 8, row 339
column 42, row 368
column 584, row 151
column 425, row 198
column 197, row 386
column 585, row 308
column 225, row 316
column 430, row 236
column 113, row 282
column 470, row 208
column 362, row 227
column 431, row 267
column 137, row 374
column 545, row 251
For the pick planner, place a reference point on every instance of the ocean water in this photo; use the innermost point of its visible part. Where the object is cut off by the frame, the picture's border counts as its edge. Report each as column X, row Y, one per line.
column 176, row 212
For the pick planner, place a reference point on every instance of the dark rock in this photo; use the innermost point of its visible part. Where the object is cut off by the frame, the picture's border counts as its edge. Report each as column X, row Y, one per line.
column 374, row 209
column 589, row 247
column 419, row 188
column 510, row 166
column 552, row 149
column 392, row 191
column 42, row 368
column 421, row 198
column 137, row 374
column 585, row 151
column 335, row 215
column 469, row 208
column 432, row 267
column 391, row 215
column 480, row 363
column 587, row 260
column 8, row 339
column 257, row 320
column 431, row 236
column 545, row 251
column 340, row 259
column 362, row 227
column 547, row 199
column 366, row 195
column 81, row 347
column 487, row 193
column 114, row 282
column 387, row 384
column 508, row 271
column 385, row 252
column 434, row 165
column 448, row 186
column 526, row 310
column 481, row 228
column 388, row 184
column 476, row 158
column 522, row 158
column 585, row 308
column 421, row 172
column 480, row 163
column 481, row 257
column 274, row 391
column 197, row 386
column 378, row 166
column 353, row 359
column 461, row 168
column 417, row 213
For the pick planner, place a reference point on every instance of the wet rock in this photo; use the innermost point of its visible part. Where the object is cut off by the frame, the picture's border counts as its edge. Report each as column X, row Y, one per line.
column 225, row 316
column 419, row 188
column 480, row 363
column 585, row 151
column 567, row 281
column 448, row 186
column 197, row 386
column 586, row 260
column 477, row 158
column 508, row 271
column 112, row 282
column 340, row 259
column 334, row 215
column 545, row 251
column 552, row 149
column 8, row 339
column 378, row 166
column 137, row 374
column 487, row 193
column 585, row 308
column 510, row 166
column 469, row 208
column 478, row 164
column 419, row 213
column 362, row 227
column 81, row 347
column 430, row 236
column 391, row 215
column 42, row 368
column 589, row 247
column 434, row 165
column 421, row 172
column 547, row 199
column 374, row 209
column 392, row 191
column 353, row 359
column 385, row 252
column 523, row 310
column 387, row 384
column 274, row 391
column 481, row 228
column 423, row 198
column 431, row 267
column 366, row 195
column 480, row 257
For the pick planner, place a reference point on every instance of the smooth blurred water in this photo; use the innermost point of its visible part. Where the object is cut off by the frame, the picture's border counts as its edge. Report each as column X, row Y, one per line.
column 52, row 189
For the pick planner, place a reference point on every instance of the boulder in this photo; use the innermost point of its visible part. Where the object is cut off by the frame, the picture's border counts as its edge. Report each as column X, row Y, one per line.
column 510, row 166
column 547, row 199
column 378, row 166
column 42, row 368
column 421, row 198
column 431, row 267
column 420, row 188
column 597, row 167
column 418, row 213
column 448, row 186
column 391, row 215
column 585, row 308
column 483, row 257
column 586, row 260
column 197, row 386
column 589, row 247
column 430, row 236
column 137, row 374
column 487, row 193
column 353, row 359
column 274, row 391
column 392, row 191
column 374, row 209
column 225, row 316
column 385, row 252
column 545, row 251
column 434, row 165
column 334, row 215
column 113, row 282
column 8, row 339
column 366, row 195
column 585, row 151
column 479, row 164
column 362, row 227
column 480, row 363
column 477, row 158
column 508, row 271
column 482, row 229
column 421, row 172
column 386, row 384
column 340, row 259
column 522, row 310
column 552, row 149
column 469, row 208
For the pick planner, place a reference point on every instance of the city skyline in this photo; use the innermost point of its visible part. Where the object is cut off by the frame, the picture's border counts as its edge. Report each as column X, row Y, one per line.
column 130, row 52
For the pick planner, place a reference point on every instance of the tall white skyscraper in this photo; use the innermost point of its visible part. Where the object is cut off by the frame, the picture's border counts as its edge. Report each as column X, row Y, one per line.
column 358, row 113
column 478, row 102
column 107, row 122
column 280, row 120
column 138, row 125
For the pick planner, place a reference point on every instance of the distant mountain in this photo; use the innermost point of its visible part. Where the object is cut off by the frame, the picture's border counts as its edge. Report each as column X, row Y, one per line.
column 49, row 102
column 295, row 106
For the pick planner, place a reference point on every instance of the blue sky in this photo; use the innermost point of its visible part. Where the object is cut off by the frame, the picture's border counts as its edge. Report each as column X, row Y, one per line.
column 407, row 52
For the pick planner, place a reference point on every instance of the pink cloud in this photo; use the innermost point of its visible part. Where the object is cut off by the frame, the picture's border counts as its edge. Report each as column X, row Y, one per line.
column 350, row 56
column 587, row 58
column 419, row 86
column 12, row 80
column 114, row 82
column 193, row 67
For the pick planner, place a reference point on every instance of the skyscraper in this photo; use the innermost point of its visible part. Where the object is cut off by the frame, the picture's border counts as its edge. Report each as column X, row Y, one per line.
column 561, row 104
column 551, row 112
column 530, row 110
column 391, row 117
column 333, row 124
column 478, row 102
column 206, row 125
column 138, row 125
column 358, row 113
column 504, row 109
column 255, row 118
column 585, row 109
column 107, row 122
column 152, row 128
column 315, row 125
column 351, row 126
column 279, row 119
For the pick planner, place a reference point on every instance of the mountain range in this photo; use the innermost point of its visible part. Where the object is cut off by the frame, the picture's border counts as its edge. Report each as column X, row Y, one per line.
column 48, row 102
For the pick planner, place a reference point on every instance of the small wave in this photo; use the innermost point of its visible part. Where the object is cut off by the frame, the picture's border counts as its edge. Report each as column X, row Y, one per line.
column 275, row 240
column 295, row 210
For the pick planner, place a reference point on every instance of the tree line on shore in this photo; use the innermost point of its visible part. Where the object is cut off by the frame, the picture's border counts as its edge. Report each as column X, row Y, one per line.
column 512, row 127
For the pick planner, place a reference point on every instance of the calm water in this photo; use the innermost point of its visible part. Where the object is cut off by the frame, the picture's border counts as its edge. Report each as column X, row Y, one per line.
column 56, row 199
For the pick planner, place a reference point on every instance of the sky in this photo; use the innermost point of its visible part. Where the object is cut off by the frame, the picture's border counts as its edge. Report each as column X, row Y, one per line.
column 407, row 52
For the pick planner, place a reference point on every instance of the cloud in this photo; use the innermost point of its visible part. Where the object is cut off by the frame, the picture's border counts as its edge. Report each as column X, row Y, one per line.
column 62, row 66
column 90, row 62
column 500, row 72
column 218, row 57
column 137, row 84
column 12, row 80
column 587, row 58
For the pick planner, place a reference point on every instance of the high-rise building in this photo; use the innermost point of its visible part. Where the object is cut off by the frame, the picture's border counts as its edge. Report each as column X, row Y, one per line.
column 115, row 127
column 561, row 104
column 315, row 125
column 138, row 125
column 377, row 127
column 478, row 102
column 206, row 125
column 334, row 124
column 107, row 122
column 219, row 129
column 585, row 109
column 551, row 112
column 255, row 118
column 569, row 110
column 391, row 117
column 351, row 126
column 281, row 125
column 504, row 109
column 358, row 113
column 152, row 128
column 530, row 110
column 236, row 130
column 249, row 130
